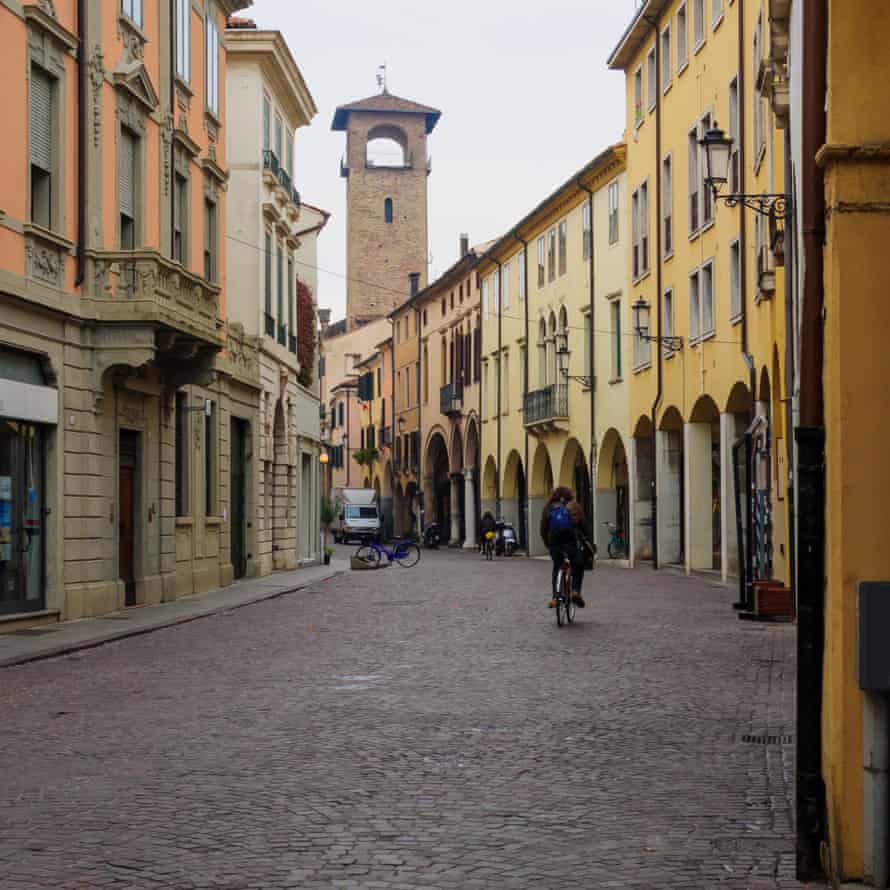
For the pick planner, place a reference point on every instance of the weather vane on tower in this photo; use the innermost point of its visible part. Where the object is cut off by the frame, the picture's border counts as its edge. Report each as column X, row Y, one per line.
column 381, row 77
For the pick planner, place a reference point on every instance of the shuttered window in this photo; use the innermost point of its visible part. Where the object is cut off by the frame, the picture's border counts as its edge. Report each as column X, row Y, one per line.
column 180, row 214
column 210, row 240
column 41, row 141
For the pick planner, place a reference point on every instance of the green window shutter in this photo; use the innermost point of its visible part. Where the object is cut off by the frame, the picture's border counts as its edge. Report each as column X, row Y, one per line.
column 41, row 119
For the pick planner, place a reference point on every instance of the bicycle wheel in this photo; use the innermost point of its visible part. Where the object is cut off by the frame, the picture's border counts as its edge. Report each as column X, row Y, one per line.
column 570, row 610
column 408, row 555
column 369, row 554
column 560, row 599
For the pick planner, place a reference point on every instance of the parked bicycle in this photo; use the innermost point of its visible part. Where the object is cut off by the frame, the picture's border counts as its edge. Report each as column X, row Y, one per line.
column 565, row 605
column 405, row 553
column 617, row 544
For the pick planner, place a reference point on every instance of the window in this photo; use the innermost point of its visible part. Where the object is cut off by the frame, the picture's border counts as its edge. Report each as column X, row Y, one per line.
column 128, row 148
column 666, row 67
column 667, row 210
column 291, row 306
column 694, row 307
column 210, row 461
column 716, row 12
column 541, row 261
column 407, row 388
column 651, row 78
column 563, row 247
column 588, row 345
column 667, row 319
column 212, row 62
column 644, row 227
column 615, row 315
column 426, row 375
column 42, row 117
column 496, row 377
column 586, row 231
column 707, row 196
column 282, row 328
column 289, row 152
column 505, row 287
column 486, row 306
column 496, row 295
column 698, row 23
column 613, row 212
column 387, row 210
column 270, row 321
column 182, row 455
column 132, row 9
column 267, row 123
column 279, row 138
column 682, row 39
column 210, row 240
column 183, row 38
column 759, row 137
column 180, row 215
column 638, row 97
column 735, row 177
column 340, row 406
column 707, row 299
column 635, row 234
column 542, row 354
column 523, row 371
column 521, row 275
column 551, row 255
column 486, row 395
column 693, row 181
column 735, row 281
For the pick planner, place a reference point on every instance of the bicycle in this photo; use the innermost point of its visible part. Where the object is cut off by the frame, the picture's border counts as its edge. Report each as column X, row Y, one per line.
column 405, row 553
column 565, row 605
column 488, row 545
column 617, row 545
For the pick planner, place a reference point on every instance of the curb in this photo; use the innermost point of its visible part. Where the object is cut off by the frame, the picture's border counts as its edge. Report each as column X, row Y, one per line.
column 122, row 634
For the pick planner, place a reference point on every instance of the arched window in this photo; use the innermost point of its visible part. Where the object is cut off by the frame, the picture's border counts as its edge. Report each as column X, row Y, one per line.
column 542, row 354
column 387, row 210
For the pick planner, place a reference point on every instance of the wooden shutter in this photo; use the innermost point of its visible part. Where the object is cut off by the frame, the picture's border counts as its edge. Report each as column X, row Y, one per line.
column 126, row 168
column 41, row 119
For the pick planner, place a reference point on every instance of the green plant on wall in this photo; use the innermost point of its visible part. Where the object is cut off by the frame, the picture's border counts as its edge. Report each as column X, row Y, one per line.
column 364, row 457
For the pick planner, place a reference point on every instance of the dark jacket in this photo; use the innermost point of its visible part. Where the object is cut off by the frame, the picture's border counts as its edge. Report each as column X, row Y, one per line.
column 488, row 524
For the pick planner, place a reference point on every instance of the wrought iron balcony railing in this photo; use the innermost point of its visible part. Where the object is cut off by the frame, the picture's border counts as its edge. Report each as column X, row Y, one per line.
column 451, row 398
column 544, row 406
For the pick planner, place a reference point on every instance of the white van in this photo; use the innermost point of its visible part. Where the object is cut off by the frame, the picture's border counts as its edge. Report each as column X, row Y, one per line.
column 359, row 515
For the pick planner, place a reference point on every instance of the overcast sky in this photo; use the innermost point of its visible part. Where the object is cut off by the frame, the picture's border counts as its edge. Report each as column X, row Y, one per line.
column 525, row 96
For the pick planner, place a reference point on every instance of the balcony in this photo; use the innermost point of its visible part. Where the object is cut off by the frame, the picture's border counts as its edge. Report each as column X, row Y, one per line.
column 451, row 399
column 277, row 178
column 543, row 408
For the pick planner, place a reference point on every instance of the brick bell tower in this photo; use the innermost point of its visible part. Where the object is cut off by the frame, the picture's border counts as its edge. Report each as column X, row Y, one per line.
column 386, row 201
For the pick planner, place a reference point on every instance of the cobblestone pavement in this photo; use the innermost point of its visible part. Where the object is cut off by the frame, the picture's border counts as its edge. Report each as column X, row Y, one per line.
column 412, row 728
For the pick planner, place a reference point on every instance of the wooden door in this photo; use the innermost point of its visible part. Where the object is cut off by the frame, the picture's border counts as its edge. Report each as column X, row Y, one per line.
column 127, row 515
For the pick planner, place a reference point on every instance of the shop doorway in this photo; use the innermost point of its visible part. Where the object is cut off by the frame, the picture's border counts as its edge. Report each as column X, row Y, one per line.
column 128, row 462
column 21, row 517
column 238, row 497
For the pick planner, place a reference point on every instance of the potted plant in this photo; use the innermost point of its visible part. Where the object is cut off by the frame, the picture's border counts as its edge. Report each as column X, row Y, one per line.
column 328, row 514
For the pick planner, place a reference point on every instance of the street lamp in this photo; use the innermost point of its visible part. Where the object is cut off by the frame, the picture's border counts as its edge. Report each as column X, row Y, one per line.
column 323, row 458
column 718, row 148
column 641, row 328
column 563, row 356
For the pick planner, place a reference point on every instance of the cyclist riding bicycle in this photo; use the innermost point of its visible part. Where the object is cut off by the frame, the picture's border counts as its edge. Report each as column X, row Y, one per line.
column 488, row 525
column 564, row 531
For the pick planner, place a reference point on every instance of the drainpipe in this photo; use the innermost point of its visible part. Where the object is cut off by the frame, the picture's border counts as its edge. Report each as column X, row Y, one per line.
column 593, row 440
column 413, row 290
column 525, row 505
column 172, row 118
column 500, row 370
column 83, row 73
column 659, row 389
column 810, row 440
column 347, row 437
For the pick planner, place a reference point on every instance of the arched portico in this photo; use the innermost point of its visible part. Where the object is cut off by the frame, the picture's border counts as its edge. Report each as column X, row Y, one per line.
column 612, row 489
column 489, row 486
column 284, row 554
column 734, row 465
column 539, row 490
column 670, row 515
column 457, row 493
column 471, row 484
column 703, row 487
column 514, row 496
column 437, row 482
column 642, row 461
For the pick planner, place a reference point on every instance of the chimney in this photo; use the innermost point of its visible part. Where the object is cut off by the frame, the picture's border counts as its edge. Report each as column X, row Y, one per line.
column 413, row 283
column 464, row 244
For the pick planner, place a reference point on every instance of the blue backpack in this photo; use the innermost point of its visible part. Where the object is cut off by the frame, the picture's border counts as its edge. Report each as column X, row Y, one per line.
column 560, row 519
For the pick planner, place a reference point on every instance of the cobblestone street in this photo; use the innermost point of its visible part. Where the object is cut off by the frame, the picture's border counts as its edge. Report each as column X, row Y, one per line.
column 412, row 728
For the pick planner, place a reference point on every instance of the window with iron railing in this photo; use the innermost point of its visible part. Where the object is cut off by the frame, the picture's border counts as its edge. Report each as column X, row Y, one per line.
column 549, row 403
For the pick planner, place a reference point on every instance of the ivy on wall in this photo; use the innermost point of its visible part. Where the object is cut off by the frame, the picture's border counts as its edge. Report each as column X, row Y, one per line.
column 305, row 333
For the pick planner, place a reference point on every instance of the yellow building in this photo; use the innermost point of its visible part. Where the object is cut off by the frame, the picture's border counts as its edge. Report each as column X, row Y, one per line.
column 712, row 285
column 554, row 316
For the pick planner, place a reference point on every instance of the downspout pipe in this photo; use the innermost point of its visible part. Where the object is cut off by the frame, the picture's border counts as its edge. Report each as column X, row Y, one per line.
column 82, row 73
column 525, row 505
column 593, row 440
column 659, row 386
column 500, row 371
column 172, row 117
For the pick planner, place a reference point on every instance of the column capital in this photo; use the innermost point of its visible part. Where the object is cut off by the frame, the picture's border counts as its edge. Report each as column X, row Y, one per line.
column 468, row 474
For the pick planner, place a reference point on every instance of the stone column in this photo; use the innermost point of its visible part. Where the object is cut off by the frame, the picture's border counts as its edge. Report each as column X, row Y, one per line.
column 698, row 500
column 470, row 511
column 454, row 540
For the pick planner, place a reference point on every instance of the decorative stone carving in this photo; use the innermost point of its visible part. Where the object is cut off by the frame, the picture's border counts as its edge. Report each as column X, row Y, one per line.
column 197, row 430
column 48, row 7
column 44, row 262
column 97, row 78
column 131, row 411
column 132, row 39
column 167, row 143
column 129, row 112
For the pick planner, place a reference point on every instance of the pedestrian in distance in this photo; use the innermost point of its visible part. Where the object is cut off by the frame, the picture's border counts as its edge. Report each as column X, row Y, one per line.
column 564, row 532
column 487, row 527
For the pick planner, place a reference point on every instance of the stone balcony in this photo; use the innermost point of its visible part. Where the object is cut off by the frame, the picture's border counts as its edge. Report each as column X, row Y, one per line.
column 283, row 206
column 545, row 408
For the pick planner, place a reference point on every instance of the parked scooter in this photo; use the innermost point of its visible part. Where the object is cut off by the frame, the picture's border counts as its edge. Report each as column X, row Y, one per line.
column 431, row 536
column 505, row 542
